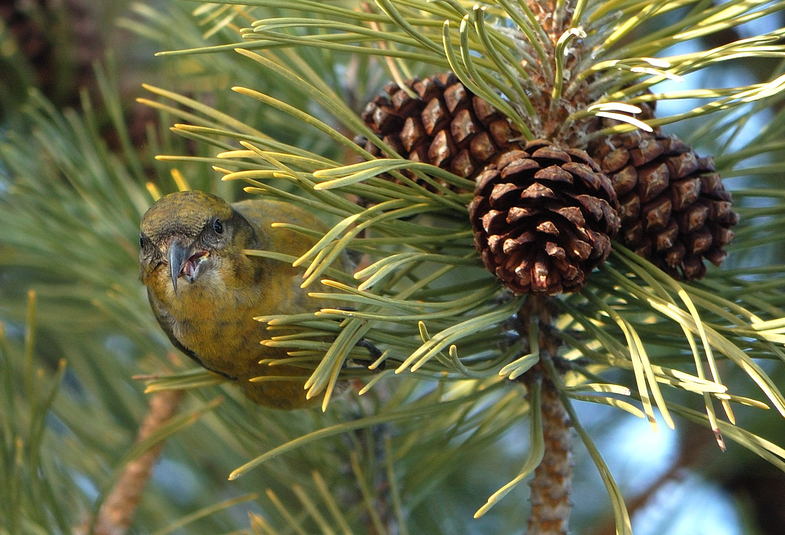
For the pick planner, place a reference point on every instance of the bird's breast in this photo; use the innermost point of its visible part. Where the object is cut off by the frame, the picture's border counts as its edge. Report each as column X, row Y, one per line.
column 214, row 319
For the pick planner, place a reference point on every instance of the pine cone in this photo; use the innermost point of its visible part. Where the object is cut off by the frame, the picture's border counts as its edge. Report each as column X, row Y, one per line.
column 674, row 208
column 447, row 125
column 543, row 218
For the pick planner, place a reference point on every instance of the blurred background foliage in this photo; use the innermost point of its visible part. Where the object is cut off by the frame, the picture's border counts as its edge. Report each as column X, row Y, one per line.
column 78, row 168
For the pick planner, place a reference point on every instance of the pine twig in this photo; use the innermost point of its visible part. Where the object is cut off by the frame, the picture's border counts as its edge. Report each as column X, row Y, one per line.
column 116, row 513
column 552, row 482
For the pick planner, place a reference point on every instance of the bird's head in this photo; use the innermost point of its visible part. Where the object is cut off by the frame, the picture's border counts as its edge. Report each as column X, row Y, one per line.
column 190, row 232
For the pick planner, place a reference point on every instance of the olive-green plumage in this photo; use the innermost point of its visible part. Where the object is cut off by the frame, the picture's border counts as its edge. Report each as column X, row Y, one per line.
column 205, row 292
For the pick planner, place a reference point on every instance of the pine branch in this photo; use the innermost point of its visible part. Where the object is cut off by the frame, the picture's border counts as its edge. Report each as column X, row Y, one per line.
column 442, row 321
column 552, row 481
column 117, row 511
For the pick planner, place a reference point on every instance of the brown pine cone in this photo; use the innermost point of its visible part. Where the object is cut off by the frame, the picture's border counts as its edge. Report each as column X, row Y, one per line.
column 446, row 125
column 674, row 209
column 543, row 218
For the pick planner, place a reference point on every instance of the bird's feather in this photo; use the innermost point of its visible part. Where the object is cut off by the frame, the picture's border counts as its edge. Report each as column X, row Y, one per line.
column 167, row 324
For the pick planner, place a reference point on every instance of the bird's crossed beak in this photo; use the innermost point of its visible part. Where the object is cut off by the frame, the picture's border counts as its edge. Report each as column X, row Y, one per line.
column 184, row 260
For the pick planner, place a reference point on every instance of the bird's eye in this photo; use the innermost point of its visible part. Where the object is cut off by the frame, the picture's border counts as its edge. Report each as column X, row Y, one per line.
column 218, row 227
column 142, row 239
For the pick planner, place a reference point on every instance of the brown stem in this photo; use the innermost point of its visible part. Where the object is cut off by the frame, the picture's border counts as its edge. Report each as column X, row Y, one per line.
column 116, row 513
column 552, row 481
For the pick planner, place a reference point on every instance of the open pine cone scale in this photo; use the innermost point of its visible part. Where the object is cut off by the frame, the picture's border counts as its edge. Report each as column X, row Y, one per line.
column 543, row 217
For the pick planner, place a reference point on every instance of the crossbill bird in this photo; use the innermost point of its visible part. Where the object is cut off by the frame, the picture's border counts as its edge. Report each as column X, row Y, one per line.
column 205, row 292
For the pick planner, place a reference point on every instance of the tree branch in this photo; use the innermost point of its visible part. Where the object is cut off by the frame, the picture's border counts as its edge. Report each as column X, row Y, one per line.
column 116, row 513
column 552, row 481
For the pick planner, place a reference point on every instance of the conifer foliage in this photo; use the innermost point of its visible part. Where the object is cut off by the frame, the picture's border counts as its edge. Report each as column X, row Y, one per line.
column 527, row 235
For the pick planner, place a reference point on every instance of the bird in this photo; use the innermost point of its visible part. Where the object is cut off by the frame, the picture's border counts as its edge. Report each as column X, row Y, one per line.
column 205, row 291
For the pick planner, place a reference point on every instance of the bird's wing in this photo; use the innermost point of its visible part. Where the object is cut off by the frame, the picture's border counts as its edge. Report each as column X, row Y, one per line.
column 166, row 322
